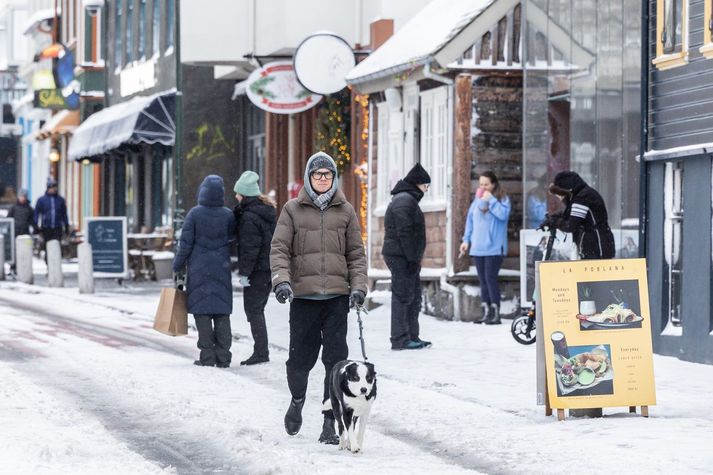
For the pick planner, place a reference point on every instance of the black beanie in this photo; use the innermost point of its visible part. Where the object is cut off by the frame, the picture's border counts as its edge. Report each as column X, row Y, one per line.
column 568, row 180
column 417, row 175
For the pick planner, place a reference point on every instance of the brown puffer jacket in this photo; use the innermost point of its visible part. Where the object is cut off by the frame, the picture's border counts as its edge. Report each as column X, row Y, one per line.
column 318, row 252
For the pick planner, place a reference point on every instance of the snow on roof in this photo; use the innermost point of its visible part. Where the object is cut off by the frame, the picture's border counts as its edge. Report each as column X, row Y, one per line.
column 423, row 36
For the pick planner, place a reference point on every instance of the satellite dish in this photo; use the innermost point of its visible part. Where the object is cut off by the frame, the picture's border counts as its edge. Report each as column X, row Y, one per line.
column 322, row 61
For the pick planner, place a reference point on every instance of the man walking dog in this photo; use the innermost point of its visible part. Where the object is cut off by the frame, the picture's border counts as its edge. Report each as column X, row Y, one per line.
column 318, row 259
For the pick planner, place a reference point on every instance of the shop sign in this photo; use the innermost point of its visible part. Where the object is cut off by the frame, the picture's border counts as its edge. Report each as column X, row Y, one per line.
column 107, row 235
column 7, row 229
column 596, row 338
column 275, row 88
column 50, row 99
column 137, row 78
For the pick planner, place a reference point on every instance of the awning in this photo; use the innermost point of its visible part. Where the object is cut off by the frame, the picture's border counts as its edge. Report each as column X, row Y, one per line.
column 143, row 119
column 426, row 35
column 63, row 122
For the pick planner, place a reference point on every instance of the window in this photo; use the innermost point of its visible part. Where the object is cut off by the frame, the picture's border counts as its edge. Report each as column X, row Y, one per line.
column 707, row 48
column 91, row 44
column 130, row 31
column 435, row 140
column 142, row 29
column 156, row 27
column 118, row 35
column 671, row 33
column 170, row 22
column 673, row 245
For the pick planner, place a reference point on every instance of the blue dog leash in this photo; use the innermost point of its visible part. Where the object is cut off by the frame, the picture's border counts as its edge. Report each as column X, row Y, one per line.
column 359, row 309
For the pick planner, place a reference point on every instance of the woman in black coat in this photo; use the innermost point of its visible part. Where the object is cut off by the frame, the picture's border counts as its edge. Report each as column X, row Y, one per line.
column 204, row 249
column 255, row 217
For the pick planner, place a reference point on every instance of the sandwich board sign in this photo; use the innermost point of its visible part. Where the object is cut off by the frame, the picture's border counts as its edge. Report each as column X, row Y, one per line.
column 595, row 341
column 7, row 229
column 107, row 235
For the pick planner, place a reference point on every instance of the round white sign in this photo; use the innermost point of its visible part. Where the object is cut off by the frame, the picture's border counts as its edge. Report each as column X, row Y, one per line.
column 322, row 61
column 274, row 88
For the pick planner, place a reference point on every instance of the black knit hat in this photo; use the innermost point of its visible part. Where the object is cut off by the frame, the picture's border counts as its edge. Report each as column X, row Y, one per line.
column 568, row 180
column 417, row 175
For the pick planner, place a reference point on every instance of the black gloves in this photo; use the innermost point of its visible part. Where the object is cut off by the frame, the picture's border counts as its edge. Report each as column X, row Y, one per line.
column 283, row 292
column 551, row 221
column 179, row 280
column 356, row 298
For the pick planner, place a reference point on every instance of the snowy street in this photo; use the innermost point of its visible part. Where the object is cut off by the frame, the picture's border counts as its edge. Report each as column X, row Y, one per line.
column 90, row 387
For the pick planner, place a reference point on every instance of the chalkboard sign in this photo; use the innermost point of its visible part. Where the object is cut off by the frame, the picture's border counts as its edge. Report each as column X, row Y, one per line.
column 107, row 235
column 7, row 229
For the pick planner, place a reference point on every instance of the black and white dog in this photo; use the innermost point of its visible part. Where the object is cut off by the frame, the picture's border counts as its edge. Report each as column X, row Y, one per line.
column 352, row 392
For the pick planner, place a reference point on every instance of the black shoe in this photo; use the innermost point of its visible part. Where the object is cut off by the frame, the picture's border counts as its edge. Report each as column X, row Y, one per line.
column 426, row 344
column 409, row 345
column 222, row 365
column 201, row 363
column 329, row 435
column 293, row 417
column 255, row 359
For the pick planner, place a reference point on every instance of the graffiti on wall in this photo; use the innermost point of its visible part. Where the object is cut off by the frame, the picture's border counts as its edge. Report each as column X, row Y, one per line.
column 211, row 143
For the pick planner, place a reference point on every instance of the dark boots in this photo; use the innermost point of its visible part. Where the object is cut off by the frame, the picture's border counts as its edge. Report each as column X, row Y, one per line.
column 493, row 315
column 486, row 311
column 293, row 417
column 255, row 359
column 329, row 435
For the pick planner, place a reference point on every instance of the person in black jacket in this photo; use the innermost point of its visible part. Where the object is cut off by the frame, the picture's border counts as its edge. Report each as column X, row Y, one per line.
column 255, row 216
column 23, row 214
column 204, row 247
column 585, row 216
column 404, row 245
column 51, row 215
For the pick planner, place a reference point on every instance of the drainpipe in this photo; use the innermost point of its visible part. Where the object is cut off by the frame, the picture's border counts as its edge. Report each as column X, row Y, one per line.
column 643, row 188
column 454, row 290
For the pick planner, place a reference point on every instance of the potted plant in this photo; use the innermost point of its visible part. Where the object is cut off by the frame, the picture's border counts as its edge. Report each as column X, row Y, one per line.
column 587, row 306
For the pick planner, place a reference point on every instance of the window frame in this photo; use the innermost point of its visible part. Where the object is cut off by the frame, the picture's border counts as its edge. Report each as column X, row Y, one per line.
column 664, row 61
column 707, row 48
column 435, row 117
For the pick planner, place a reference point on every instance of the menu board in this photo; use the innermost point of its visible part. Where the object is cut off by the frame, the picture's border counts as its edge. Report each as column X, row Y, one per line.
column 107, row 235
column 596, row 333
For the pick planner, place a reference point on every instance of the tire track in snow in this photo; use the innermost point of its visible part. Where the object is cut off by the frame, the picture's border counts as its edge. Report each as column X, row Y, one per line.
column 157, row 441
column 427, row 444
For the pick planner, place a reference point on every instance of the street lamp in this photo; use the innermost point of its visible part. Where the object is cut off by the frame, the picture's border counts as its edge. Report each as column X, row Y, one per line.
column 54, row 155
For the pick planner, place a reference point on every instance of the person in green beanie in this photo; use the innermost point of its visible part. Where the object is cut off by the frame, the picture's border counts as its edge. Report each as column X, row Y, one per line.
column 255, row 215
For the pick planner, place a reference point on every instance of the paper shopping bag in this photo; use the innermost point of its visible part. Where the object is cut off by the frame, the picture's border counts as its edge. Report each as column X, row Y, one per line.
column 171, row 316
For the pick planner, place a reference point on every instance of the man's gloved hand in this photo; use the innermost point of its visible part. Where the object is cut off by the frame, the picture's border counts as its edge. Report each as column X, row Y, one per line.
column 414, row 267
column 179, row 280
column 283, row 292
column 244, row 280
column 356, row 298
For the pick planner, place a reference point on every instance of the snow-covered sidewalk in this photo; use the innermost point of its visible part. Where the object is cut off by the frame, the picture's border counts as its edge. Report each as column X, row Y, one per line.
column 90, row 387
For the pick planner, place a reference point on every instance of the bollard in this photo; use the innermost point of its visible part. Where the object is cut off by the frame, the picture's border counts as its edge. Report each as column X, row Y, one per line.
column 2, row 257
column 23, row 258
column 86, row 268
column 54, row 264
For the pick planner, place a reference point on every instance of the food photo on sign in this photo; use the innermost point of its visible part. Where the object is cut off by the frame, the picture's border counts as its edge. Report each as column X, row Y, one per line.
column 582, row 370
column 609, row 305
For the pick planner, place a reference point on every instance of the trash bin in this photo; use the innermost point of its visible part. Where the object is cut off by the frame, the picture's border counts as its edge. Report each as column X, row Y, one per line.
column 163, row 263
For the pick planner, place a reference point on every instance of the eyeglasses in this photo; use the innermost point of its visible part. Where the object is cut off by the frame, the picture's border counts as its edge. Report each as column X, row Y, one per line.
column 322, row 175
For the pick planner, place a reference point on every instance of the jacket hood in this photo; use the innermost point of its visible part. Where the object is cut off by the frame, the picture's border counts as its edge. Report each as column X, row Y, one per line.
column 404, row 186
column 317, row 161
column 254, row 205
column 212, row 191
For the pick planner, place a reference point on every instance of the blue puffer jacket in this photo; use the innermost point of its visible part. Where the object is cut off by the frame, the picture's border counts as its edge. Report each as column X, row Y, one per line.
column 204, row 248
column 486, row 229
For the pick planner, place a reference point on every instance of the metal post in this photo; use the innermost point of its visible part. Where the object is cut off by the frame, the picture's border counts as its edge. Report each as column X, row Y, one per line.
column 2, row 257
column 54, row 263
column 643, row 188
column 23, row 258
column 86, row 268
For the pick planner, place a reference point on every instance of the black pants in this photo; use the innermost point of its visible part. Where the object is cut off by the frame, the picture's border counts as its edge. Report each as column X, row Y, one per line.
column 488, row 268
column 405, row 300
column 214, row 338
column 254, row 299
column 50, row 234
column 315, row 323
